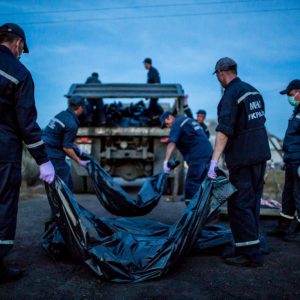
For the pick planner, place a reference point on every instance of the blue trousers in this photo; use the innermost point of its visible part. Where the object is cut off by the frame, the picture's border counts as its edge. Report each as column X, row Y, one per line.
column 244, row 207
column 10, row 174
column 194, row 177
column 291, row 191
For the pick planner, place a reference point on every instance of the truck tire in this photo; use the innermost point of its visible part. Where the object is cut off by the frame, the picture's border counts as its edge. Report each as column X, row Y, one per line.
column 79, row 182
column 181, row 180
column 30, row 170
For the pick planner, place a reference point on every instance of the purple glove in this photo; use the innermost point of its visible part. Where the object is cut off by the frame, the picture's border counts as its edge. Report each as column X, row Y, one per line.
column 84, row 163
column 47, row 172
column 167, row 170
column 212, row 172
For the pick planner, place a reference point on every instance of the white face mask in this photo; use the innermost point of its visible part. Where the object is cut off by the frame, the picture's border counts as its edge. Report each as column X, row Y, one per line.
column 292, row 100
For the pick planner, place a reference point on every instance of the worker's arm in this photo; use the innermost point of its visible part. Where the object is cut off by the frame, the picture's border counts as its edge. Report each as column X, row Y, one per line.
column 26, row 119
column 71, row 153
column 170, row 148
column 220, row 144
column 169, row 151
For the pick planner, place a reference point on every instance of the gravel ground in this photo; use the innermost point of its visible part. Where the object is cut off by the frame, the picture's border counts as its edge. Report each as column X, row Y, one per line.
column 199, row 277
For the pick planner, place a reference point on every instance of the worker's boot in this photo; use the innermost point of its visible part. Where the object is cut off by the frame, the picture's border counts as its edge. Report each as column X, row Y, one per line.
column 282, row 228
column 293, row 234
column 8, row 274
column 245, row 261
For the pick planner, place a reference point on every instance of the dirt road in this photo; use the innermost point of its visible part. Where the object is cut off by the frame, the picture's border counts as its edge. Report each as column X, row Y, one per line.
column 199, row 277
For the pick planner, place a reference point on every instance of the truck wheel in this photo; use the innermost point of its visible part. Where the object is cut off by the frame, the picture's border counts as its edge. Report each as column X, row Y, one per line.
column 90, row 186
column 181, row 180
column 79, row 182
column 30, row 170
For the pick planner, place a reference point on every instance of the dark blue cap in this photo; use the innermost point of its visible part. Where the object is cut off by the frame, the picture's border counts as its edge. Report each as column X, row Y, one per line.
column 163, row 117
column 202, row 112
column 17, row 30
column 293, row 85
column 76, row 101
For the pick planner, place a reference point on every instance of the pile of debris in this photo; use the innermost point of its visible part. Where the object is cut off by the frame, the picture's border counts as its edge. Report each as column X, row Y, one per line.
column 133, row 115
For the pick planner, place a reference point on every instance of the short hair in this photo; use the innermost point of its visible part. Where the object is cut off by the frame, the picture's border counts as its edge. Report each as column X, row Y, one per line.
column 8, row 37
column 233, row 69
column 148, row 60
column 74, row 107
column 201, row 112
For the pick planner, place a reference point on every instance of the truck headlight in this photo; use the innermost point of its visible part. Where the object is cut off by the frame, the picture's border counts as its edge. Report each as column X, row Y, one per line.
column 123, row 144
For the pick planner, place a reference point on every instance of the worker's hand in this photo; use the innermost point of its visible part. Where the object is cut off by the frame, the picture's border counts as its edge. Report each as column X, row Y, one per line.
column 84, row 163
column 47, row 172
column 186, row 99
column 212, row 169
column 167, row 170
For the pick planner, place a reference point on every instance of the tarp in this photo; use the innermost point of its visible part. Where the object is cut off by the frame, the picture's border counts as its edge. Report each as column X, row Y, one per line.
column 114, row 199
column 129, row 249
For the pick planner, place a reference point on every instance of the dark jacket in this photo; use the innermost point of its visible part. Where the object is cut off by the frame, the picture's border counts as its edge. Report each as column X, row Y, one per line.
column 190, row 140
column 189, row 114
column 241, row 116
column 61, row 133
column 153, row 76
column 93, row 79
column 18, row 112
column 291, row 142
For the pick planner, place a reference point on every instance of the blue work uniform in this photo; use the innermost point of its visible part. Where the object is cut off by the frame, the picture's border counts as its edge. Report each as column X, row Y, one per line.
column 61, row 133
column 291, row 157
column 152, row 78
column 189, row 114
column 196, row 150
column 241, row 117
column 17, row 124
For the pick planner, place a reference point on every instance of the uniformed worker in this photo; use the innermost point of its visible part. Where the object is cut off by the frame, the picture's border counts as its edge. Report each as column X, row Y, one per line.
column 242, row 137
column 201, row 115
column 59, row 137
column 291, row 148
column 191, row 141
column 95, row 114
column 17, row 124
column 153, row 77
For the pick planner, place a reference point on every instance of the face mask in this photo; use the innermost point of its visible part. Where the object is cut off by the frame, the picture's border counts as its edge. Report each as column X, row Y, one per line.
column 19, row 54
column 292, row 101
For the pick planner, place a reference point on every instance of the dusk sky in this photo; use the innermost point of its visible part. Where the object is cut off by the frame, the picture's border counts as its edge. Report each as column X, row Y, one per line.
column 70, row 39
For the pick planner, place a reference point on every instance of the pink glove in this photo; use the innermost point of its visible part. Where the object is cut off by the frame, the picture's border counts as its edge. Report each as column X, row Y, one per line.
column 84, row 163
column 212, row 172
column 47, row 172
column 167, row 170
